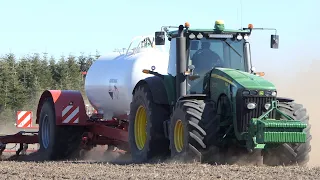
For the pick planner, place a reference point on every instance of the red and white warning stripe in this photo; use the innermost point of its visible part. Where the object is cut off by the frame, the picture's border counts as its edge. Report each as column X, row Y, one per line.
column 24, row 119
column 70, row 115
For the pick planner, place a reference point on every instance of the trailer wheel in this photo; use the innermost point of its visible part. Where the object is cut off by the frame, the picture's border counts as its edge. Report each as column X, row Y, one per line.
column 193, row 131
column 146, row 133
column 290, row 154
column 56, row 142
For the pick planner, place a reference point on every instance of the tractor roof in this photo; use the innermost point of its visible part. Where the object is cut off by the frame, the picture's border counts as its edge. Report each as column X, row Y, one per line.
column 218, row 29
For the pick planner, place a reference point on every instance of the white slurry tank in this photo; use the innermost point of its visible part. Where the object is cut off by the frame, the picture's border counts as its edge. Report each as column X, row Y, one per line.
column 111, row 79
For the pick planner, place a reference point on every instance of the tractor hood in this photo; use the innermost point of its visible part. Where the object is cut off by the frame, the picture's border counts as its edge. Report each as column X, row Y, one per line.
column 244, row 79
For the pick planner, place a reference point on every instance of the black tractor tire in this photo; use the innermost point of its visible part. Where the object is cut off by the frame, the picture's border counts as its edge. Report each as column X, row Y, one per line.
column 200, row 124
column 293, row 153
column 63, row 141
column 156, row 144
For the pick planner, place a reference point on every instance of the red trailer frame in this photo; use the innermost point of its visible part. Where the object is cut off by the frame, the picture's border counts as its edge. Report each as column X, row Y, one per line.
column 70, row 110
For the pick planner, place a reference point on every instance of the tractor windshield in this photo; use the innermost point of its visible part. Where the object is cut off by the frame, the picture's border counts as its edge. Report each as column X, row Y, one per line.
column 206, row 54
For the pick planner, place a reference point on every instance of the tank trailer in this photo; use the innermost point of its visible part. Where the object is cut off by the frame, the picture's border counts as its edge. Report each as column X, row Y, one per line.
column 203, row 100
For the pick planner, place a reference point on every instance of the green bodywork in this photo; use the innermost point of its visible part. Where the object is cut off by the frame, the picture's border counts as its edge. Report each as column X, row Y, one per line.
column 262, row 130
column 169, row 84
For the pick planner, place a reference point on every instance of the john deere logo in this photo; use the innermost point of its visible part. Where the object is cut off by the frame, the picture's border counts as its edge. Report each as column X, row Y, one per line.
column 261, row 93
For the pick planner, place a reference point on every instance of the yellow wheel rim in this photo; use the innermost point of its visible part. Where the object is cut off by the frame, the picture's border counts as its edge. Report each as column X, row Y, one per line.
column 178, row 136
column 140, row 127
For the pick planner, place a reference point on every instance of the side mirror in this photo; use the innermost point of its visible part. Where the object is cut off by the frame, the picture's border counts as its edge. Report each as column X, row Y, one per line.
column 274, row 41
column 160, row 38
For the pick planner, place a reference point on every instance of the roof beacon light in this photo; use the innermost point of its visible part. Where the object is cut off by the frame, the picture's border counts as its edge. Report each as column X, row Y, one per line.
column 186, row 25
column 219, row 25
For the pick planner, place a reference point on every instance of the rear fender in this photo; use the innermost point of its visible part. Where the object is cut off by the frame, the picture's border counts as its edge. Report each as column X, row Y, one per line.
column 68, row 106
column 157, row 88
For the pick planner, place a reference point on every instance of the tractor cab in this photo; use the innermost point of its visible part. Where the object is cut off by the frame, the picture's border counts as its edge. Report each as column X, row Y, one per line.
column 210, row 48
column 207, row 53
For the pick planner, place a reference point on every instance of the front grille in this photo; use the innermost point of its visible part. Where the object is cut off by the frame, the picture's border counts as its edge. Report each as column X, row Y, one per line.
column 244, row 115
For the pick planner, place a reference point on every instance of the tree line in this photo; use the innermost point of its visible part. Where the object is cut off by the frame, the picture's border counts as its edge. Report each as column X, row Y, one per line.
column 22, row 80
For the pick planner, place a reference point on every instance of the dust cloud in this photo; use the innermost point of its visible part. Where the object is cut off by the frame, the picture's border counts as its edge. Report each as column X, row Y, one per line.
column 103, row 153
column 8, row 129
column 301, row 82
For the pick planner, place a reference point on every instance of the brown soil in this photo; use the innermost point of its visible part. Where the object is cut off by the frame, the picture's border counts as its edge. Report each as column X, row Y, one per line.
column 86, row 170
column 112, row 165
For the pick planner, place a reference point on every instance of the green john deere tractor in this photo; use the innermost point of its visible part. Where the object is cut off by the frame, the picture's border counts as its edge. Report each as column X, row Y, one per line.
column 212, row 105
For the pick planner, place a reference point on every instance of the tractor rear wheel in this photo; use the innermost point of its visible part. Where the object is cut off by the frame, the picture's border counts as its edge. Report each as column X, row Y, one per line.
column 290, row 154
column 193, row 130
column 146, row 133
column 56, row 142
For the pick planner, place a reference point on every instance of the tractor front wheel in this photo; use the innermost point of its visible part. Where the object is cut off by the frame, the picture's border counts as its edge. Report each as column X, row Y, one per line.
column 193, row 129
column 290, row 154
column 146, row 135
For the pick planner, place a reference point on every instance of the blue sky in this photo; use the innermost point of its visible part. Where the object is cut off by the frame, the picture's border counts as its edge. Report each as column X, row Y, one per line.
column 73, row 26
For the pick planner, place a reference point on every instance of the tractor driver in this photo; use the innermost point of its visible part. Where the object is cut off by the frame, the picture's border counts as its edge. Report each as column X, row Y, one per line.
column 205, row 59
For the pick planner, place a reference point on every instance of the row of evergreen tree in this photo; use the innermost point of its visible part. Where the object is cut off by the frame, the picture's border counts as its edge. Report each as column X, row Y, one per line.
column 22, row 80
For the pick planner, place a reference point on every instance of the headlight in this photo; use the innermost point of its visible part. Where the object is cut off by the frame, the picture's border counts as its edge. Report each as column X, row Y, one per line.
column 267, row 106
column 199, row 36
column 245, row 92
column 254, row 92
column 251, row 105
column 239, row 37
column 192, row 36
column 259, row 92
column 268, row 93
column 271, row 93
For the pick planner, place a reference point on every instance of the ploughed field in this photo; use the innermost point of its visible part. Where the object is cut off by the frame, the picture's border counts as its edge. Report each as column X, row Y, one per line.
column 86, row 170
column 108, row 166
